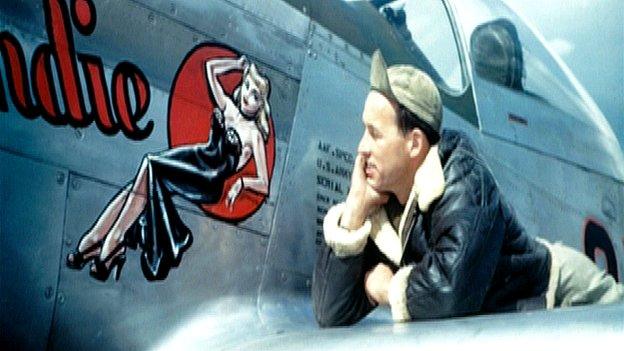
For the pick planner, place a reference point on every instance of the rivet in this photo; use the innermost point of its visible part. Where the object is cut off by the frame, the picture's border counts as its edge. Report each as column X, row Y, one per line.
column 60, row 178
column 79, row 134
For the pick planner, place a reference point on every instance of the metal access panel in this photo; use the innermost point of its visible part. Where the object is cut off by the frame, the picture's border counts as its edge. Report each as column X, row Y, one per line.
column 322, row 150
column 32, row 209
column 224, row 261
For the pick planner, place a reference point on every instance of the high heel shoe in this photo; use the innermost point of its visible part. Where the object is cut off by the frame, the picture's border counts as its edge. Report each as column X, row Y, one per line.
column 99, row 270
column 77, row 259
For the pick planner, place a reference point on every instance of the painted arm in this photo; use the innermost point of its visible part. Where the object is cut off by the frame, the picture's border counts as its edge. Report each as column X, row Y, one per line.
column 260, row 183
column 216, row 67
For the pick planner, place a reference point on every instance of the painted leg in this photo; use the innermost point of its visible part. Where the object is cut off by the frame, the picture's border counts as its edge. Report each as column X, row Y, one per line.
column 105, row 221
column 90, row 243
column 113, row 249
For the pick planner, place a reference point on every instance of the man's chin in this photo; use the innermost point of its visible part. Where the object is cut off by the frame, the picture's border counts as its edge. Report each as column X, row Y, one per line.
column 373, row 183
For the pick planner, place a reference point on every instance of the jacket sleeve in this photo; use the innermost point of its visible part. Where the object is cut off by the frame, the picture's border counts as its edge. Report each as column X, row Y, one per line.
column 338, row 294
column 462, row 252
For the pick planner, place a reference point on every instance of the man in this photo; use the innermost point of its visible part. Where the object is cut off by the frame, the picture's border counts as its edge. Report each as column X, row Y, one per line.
column 425, row 229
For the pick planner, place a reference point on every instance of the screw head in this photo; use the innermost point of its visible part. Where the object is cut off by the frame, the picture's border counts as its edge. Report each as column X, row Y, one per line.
column 79, row 134
column 48, row 292
column 60, row 178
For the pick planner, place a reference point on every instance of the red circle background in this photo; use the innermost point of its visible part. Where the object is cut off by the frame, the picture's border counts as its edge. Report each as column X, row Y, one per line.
column 190, row 115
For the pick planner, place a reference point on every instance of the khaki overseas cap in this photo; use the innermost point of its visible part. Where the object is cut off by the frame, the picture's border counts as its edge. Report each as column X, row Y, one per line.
column 410, row 87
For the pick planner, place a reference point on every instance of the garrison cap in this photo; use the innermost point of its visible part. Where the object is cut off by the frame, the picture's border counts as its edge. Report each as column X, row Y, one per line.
column 410, row 87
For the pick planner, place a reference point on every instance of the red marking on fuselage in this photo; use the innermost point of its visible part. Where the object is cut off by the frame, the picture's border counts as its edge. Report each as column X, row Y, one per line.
column 599, row 240
column 61, row 51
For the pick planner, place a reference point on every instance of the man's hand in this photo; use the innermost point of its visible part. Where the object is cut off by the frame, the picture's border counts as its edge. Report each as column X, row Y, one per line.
column 362, row 199
column 377, row 282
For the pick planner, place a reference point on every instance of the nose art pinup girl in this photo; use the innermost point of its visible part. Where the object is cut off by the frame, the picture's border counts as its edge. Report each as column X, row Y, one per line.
column 239, row 131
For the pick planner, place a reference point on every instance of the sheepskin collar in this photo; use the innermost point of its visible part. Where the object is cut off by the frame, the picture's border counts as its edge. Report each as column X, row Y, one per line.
column 428, row 180
column 428, row 186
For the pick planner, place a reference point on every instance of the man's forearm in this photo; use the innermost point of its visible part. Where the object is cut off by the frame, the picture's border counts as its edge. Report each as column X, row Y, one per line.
column 352, row 219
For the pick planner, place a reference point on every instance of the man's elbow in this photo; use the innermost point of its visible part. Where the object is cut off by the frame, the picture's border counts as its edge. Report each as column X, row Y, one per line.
column 325, row 322
column 323, row 318
column 327, row 317
column 331, row 312
column 325, row 314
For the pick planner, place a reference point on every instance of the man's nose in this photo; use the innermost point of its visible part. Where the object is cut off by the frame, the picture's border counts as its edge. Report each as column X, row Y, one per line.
column 364, row 145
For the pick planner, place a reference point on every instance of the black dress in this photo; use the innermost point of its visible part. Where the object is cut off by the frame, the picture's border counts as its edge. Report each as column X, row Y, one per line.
column 196, row 173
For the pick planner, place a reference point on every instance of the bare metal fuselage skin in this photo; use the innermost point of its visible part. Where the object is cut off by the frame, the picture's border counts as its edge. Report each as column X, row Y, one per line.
column 90, row 87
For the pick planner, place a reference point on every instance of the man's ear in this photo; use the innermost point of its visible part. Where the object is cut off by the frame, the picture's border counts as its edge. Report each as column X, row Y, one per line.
column 417, row 142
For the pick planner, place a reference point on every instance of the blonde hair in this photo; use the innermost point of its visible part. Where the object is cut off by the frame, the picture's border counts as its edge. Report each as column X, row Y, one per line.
column 264, row 86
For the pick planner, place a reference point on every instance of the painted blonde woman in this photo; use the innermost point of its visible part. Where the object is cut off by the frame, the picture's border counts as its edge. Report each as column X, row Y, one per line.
column 143, row 214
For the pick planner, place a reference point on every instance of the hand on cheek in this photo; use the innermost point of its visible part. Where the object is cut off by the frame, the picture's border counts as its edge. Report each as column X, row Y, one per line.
column 362, row 198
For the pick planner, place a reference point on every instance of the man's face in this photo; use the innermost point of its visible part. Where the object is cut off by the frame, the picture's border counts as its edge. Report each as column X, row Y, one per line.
column 384, row 147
